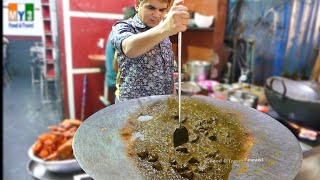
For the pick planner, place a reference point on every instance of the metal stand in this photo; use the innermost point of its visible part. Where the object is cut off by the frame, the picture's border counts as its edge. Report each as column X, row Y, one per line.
column 104, row 98
column 6, row 76
column 37, row 63
column 243, row 55
column 44, row 88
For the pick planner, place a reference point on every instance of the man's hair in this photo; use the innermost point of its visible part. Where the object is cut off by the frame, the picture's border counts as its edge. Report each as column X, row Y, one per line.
column 169, row 1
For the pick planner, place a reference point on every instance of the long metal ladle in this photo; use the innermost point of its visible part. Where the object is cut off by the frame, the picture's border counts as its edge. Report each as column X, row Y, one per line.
column 181, row 134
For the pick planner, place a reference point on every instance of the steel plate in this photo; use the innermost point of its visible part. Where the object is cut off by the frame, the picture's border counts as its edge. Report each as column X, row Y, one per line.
column 38, row 171
column 275, row 154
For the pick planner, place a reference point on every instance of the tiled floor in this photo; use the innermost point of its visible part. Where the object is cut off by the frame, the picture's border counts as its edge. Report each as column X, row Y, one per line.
column 24, row 119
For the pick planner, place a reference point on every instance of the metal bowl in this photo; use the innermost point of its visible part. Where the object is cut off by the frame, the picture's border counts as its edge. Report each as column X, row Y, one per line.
column 63, row 166
column 188, row 88
column 203, row 21
column 242, row 97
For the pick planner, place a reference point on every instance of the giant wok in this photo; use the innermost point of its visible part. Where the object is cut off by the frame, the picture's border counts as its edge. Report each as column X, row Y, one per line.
column 101, row 153
column 297, row 101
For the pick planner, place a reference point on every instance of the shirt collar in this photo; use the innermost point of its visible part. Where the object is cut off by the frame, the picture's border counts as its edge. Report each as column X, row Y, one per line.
column 139, row 23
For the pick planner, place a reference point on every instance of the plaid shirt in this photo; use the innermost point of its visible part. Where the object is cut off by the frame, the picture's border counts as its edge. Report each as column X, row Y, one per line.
column 147, row 75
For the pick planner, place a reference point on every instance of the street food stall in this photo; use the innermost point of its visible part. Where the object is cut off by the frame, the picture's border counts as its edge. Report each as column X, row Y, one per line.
column 245, row 102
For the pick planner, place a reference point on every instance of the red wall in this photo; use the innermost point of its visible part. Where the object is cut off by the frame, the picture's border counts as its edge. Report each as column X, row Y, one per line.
column 101, row 6
column 85, row 33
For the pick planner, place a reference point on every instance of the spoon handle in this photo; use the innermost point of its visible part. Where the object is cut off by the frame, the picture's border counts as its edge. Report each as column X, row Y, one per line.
column 179, row 72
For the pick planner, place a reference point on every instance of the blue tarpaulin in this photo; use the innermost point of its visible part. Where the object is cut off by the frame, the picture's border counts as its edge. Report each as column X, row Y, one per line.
column 286, row 34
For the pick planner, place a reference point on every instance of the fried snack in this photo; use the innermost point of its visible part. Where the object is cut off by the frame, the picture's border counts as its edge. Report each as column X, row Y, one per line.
column 63, row 152
column 70, row 122
column 45, row 145
column 57, row 144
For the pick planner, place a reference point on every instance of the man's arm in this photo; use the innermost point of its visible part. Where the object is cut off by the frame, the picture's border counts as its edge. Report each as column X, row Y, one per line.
column 141, row 43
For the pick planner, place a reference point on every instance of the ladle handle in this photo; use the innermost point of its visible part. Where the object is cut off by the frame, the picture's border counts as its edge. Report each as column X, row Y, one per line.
column 179, row 72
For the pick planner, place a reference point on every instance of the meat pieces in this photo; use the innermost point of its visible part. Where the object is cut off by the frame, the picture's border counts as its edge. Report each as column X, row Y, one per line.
column 57, row 144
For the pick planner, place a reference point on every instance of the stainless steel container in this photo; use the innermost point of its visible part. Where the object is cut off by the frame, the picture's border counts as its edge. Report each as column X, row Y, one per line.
column 188, row 88
column 198, row 70
column 244, row 98
column 58, row 166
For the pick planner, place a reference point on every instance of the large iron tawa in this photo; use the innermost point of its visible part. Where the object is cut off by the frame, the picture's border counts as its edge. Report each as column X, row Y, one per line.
column 100, row 151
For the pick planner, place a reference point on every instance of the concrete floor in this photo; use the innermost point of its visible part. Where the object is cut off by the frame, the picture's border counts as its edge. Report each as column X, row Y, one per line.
column 24, row 119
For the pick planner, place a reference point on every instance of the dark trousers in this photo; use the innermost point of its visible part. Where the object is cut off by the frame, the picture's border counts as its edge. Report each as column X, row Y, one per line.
column 111, row 94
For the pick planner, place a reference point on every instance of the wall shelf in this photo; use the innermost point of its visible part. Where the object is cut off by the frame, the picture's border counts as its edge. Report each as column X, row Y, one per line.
column 195, row 28
column 204, row 43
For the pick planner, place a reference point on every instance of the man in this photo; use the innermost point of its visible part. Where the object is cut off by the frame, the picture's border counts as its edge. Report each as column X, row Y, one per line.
column 111, row 72
column 145, row 53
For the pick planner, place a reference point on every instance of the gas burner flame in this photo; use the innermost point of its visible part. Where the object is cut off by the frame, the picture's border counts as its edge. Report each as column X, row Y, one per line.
column 305, row 133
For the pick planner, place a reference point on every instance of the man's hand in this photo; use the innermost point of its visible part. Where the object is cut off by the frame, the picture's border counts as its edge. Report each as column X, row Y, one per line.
column 176, row 19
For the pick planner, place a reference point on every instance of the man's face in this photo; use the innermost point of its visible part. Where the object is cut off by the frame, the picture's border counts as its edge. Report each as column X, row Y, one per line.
column 151, row 12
